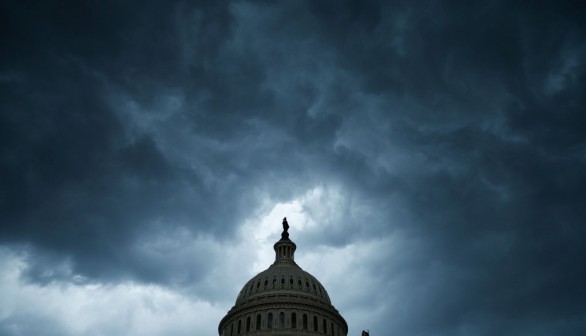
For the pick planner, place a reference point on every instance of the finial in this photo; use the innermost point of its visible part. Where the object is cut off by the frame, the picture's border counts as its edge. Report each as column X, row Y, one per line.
column 285, row 234
column 285, row 248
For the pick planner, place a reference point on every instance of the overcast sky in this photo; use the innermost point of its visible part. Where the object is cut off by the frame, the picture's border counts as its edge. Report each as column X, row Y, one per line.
column 430, row 157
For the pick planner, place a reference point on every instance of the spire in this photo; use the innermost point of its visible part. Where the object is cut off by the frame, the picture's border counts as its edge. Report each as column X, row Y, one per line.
column 285, row 248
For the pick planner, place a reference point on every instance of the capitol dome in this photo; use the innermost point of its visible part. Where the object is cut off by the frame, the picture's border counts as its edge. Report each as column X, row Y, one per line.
column 283, row 300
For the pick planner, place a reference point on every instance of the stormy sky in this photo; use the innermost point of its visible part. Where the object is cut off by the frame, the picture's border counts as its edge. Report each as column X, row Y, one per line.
column 430, row 157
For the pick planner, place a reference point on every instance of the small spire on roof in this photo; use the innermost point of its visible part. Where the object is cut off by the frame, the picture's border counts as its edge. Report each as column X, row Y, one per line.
column 285, row 248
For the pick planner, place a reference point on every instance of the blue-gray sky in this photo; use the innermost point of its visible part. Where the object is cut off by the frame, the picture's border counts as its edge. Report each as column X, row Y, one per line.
column 430, row 157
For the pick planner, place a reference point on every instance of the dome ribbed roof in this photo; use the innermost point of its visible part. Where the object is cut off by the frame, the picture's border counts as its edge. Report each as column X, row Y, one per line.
column 286, row 277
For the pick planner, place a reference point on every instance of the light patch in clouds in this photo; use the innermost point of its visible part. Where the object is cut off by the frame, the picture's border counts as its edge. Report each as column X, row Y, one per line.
column 353, row 278
column 325, row 206
column 266, row 230
column 126, row 308
column 564, row 72
column 319, row 206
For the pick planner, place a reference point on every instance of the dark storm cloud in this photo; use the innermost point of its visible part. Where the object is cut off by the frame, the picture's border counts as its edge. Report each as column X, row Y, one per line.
column 72, row 181
column 498, row 191
column 459, row 125
column 81, row 180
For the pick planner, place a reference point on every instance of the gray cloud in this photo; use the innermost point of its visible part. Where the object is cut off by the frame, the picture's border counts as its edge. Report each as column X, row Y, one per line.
column 128, row 132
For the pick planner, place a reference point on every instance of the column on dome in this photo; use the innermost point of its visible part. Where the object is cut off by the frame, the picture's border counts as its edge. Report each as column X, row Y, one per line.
column 285, row 250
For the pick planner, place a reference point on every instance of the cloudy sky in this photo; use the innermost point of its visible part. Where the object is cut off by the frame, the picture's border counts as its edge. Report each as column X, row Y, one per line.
column 430, row 157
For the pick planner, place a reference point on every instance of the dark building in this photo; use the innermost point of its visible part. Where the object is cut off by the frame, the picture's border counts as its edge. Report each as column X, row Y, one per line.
column 283, row 300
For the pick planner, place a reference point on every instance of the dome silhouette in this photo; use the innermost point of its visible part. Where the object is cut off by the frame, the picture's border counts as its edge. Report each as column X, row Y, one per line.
column 283, row 300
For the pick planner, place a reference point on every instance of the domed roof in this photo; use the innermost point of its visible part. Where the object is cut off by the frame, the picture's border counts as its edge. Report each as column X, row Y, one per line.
column 283, row 276
column 283, row 299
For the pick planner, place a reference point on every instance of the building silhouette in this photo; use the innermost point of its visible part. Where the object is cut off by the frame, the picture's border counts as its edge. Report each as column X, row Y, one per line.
column 283, row 300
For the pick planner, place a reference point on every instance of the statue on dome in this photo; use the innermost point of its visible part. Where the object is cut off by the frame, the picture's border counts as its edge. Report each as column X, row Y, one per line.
column 285, row 233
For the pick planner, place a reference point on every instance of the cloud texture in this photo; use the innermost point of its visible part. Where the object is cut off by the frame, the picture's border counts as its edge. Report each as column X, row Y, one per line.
column 431, row 156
